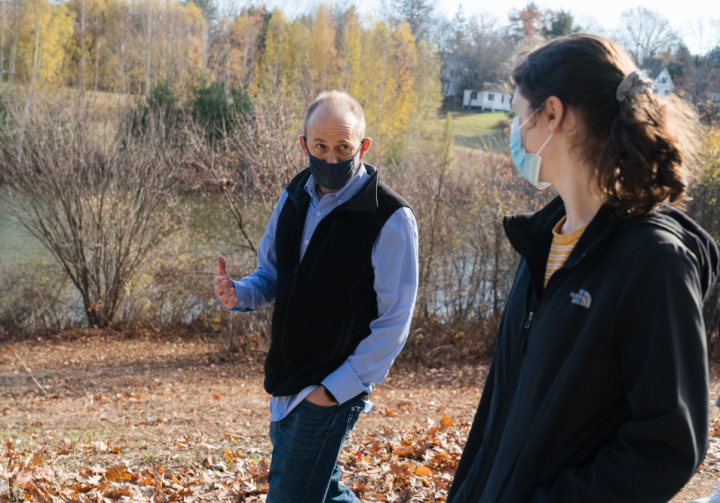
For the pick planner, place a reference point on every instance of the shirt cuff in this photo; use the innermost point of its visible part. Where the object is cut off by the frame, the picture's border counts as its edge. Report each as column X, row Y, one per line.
column 244, row 301
column 344, row 383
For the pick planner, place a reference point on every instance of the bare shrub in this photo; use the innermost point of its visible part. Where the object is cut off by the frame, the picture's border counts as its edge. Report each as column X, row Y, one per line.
column 32, row 297
column 704, row 208
column 468, row 273
column 95, row 196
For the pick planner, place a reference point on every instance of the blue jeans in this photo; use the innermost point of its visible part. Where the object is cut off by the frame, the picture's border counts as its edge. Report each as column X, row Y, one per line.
column 306, row 445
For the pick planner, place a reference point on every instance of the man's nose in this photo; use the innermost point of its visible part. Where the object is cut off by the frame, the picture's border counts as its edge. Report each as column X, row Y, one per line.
column 332, row 157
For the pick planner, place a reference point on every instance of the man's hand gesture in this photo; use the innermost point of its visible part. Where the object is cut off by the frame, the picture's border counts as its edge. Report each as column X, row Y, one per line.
column 224, row 288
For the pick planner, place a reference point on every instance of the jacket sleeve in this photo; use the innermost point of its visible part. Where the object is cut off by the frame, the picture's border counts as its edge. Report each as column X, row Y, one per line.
column 659, row 343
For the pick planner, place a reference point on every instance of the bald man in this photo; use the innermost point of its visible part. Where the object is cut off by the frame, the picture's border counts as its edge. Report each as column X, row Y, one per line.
column 339, row 261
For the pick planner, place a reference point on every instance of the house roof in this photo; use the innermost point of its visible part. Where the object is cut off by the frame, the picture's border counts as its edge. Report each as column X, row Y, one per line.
column 456, row 61
column 494, row 87
column 653, row 71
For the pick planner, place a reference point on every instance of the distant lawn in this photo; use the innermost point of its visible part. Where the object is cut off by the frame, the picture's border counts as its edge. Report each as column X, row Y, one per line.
column 476, row 123
column 468, row 127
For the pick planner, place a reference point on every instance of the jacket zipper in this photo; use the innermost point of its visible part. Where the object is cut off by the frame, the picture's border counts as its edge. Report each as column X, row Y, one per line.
column 479, row 485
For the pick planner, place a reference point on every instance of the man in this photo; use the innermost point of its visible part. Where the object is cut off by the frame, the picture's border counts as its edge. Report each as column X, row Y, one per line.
column 339, row 261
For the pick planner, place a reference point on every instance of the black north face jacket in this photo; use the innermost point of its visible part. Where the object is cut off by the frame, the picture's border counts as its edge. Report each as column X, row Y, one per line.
column 598, row 390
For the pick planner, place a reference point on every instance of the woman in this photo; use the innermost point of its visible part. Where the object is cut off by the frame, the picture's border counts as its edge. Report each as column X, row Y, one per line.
column 598, row 390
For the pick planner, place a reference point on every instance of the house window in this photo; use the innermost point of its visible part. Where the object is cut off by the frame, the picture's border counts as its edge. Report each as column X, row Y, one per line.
column 491, row 97
column 502, row 98
column 663, row 80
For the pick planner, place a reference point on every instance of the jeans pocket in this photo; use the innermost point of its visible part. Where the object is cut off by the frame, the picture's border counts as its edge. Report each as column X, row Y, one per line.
column 315, row 406
column 352, row 419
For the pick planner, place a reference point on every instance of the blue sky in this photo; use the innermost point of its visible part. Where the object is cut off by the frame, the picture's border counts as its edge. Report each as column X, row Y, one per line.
column 697, row 21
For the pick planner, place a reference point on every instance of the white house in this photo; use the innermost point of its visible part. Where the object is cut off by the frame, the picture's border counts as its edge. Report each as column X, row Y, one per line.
column 493, row 98
column 715, row 99
column 662, row 82
column 452, row 76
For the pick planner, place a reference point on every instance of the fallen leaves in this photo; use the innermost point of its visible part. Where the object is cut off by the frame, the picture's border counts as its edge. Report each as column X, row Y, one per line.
column 32, row 477
column 711, row 464
column 413, row 464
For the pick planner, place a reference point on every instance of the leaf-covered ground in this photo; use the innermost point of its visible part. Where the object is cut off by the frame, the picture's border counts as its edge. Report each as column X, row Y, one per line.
column 89, row 417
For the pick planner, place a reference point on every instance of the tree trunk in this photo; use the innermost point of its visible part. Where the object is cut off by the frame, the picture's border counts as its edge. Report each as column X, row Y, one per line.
column 83, row 9
column 15, row 43
column 3, row 9
column 205, row 38
column 97, row 65
column 123, row 73
column 148, row 42
column 21, row 136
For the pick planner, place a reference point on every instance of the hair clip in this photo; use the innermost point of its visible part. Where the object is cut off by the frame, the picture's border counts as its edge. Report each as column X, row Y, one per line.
column 634, row 83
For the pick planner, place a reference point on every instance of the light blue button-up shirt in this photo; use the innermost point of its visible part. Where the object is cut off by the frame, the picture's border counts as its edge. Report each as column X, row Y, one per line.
column 395, row 263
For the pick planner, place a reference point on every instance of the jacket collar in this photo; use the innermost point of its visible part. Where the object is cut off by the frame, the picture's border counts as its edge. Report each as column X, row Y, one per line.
column 364, row 200
column 531, row 236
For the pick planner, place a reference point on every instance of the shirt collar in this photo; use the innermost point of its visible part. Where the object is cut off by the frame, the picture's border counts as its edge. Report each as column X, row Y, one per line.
column 344, row 194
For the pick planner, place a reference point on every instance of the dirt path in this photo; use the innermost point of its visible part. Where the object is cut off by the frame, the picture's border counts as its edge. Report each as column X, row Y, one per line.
column 164, row 406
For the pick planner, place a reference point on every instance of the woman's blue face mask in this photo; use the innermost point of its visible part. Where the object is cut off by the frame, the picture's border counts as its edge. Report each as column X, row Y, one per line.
column 527, row 164
column 333, row 176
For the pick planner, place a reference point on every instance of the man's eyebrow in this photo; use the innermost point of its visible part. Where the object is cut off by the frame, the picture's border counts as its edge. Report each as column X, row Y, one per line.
column 323, row 141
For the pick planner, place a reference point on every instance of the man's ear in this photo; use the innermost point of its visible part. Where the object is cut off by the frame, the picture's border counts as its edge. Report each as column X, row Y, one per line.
column 365, row 146
column 303, row 144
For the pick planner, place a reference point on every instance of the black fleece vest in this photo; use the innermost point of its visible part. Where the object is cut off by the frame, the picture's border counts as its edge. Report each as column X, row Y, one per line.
column 324, row 304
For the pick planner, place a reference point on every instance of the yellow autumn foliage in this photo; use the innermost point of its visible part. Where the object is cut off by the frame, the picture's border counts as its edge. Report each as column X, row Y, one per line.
column 130, row 46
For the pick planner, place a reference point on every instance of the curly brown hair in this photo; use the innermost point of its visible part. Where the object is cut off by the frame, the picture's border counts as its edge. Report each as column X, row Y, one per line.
column 643, row 148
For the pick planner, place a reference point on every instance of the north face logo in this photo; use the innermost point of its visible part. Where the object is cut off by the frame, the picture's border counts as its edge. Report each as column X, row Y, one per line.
column 582, row 298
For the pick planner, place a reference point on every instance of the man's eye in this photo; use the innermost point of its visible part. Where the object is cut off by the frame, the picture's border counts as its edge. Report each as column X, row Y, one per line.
column 319, row 146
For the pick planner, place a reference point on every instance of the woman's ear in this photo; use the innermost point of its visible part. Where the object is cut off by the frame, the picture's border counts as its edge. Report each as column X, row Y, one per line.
column 555, row 112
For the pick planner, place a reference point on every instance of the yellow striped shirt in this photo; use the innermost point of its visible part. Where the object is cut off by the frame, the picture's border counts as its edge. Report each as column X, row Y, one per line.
column 562, row 246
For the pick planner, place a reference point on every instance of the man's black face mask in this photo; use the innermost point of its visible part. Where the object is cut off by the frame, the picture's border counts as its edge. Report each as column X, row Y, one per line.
column 333, row 176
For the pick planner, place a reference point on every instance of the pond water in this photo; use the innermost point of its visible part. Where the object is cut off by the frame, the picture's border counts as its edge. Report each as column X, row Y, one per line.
column 17, row 245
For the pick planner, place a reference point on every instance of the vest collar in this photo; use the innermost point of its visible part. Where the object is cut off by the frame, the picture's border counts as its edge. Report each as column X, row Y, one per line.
column 364, row 200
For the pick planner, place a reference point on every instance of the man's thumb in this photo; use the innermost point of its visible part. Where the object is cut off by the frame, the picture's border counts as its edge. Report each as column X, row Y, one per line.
column 221, row 266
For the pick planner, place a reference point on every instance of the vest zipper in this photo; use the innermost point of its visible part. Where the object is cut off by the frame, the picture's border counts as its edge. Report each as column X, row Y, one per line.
column 322, row 247
column 295, row 274
column 287, row 310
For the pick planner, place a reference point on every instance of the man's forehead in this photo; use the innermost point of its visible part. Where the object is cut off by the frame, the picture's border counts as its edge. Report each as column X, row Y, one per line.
column 331, row 120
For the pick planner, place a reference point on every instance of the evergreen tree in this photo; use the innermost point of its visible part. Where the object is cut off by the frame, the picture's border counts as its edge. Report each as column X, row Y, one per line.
column 561, row 24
